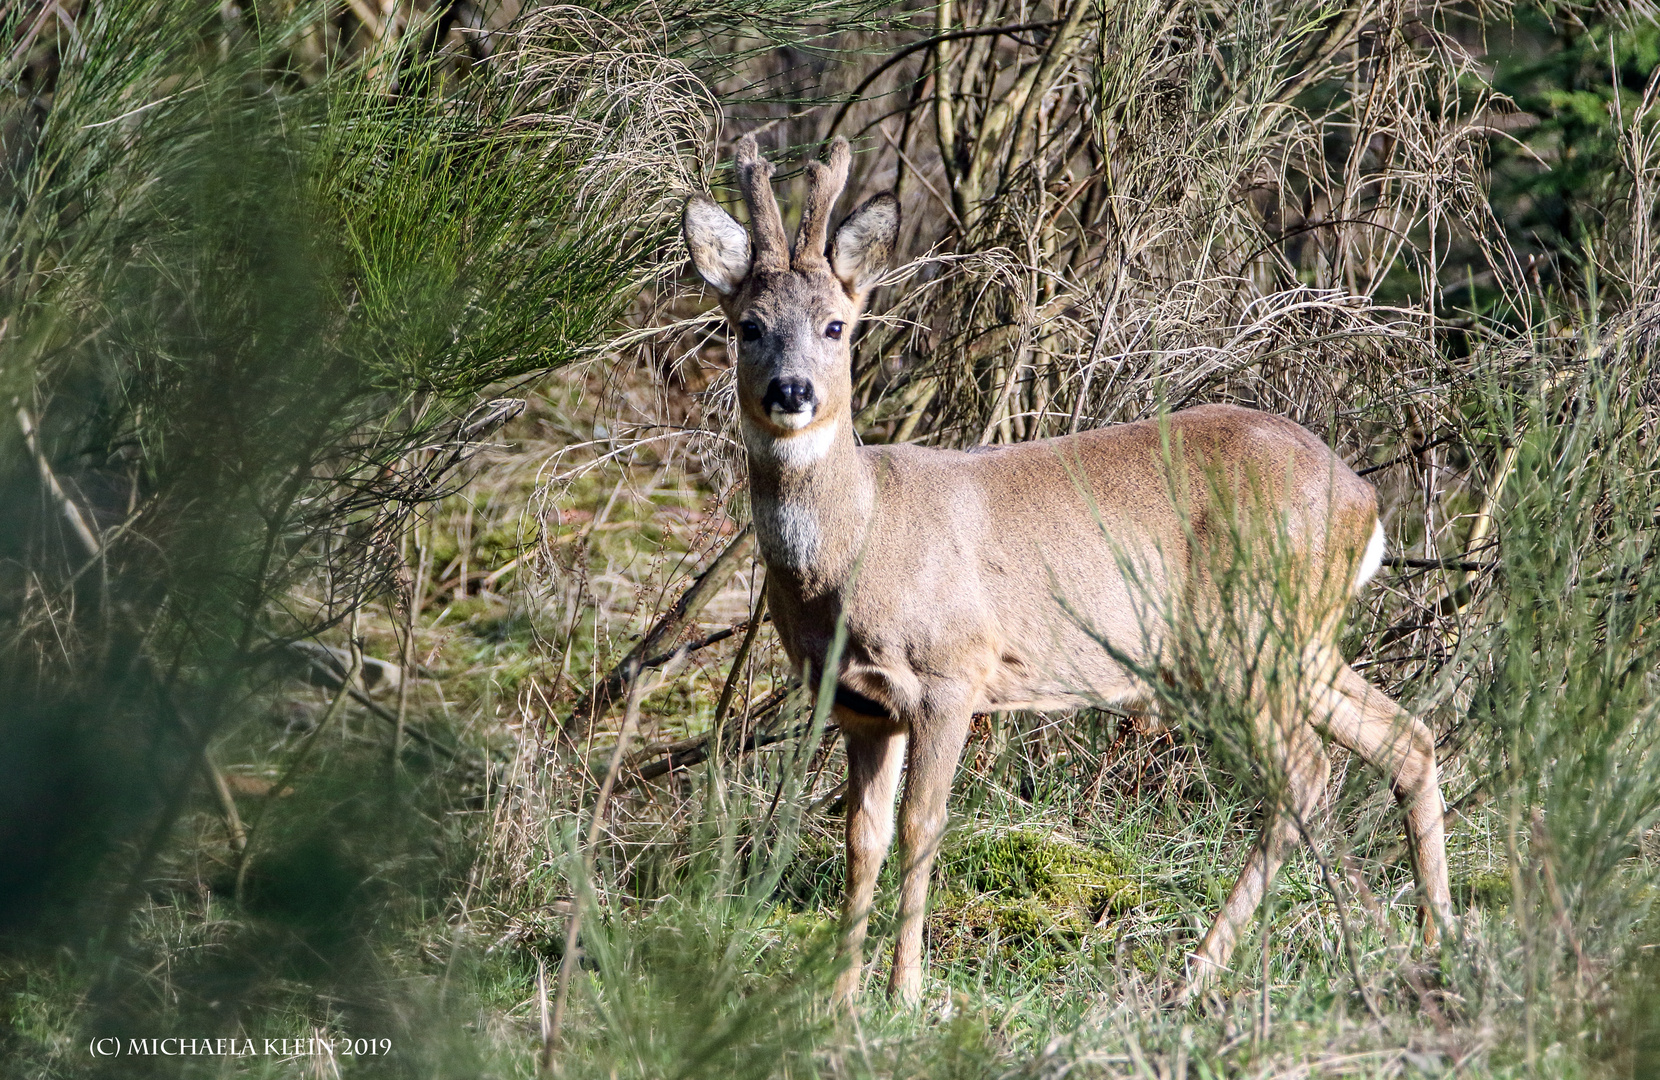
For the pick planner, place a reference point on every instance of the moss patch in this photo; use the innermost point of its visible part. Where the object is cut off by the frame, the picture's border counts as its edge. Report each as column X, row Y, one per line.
column 1485, row 889
column 1025, row 896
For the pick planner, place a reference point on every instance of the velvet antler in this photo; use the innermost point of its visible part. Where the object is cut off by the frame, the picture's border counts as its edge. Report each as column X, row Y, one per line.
column 755, row 180
column 824, row 187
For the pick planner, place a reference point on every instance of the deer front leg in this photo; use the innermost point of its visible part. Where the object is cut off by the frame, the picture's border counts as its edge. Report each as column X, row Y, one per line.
column 936, row 744
column 874, row 757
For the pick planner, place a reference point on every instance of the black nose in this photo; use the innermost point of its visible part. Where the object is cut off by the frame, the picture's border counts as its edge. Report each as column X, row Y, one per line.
column 790, row 395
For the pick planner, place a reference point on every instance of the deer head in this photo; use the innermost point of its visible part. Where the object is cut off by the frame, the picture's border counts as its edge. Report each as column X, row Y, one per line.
column 793, row 310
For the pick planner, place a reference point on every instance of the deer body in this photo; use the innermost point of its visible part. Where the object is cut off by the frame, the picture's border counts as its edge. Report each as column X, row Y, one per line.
column 935, row 557
column 1044, row 575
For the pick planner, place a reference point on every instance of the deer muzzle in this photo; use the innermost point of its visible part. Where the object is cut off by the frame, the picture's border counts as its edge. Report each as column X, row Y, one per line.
column 789, row 401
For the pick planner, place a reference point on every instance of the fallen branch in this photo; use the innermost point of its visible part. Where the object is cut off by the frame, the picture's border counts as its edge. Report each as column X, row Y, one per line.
column 702, row 643
column 1436, row 564
column 327, row 676
column 669, row 627
column 700, row 754
column 761, row 713
column 664, row 758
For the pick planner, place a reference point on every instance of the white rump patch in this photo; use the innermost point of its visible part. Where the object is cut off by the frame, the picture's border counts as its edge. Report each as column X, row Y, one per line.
column 1372, row 560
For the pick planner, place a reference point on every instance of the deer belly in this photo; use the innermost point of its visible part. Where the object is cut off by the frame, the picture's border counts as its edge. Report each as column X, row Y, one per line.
column 1047, row 665
column 1087, row 684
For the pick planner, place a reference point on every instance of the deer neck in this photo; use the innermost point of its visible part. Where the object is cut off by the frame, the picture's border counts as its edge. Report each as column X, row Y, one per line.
column 812, row 496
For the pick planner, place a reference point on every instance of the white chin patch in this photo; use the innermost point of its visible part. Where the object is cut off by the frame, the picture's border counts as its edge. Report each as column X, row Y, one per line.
column 1372, row 560
column 798, row 450
column 795, row 421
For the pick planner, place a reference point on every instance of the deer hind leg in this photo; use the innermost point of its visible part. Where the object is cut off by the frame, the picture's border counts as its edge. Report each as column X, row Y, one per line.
column 1300, row 760
column 874, row 758
column 1365, row 720
column 936, row 744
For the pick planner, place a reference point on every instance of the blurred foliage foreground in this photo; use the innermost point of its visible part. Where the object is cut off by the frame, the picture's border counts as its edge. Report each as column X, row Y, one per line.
column 318, row 545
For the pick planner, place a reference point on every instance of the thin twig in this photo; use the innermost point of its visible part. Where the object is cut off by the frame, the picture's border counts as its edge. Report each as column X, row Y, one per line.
column 918, row 46
column 66, row 506
column 417, row 594
column 1409, row 455
column 238, row 836
column 730, row 688
column 585, row 859
column 701, row 643
column 1436, row 564
column 1350, row 952
column 294, row 764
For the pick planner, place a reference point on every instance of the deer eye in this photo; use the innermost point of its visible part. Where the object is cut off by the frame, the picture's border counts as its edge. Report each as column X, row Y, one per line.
column 750, row 331
column 834, row 330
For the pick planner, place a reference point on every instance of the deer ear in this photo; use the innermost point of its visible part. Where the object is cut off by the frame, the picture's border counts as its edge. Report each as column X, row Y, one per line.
column 719, row 245
column 863, row 247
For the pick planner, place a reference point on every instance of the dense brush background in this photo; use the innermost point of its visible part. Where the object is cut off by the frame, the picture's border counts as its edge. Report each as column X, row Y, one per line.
column 363, row 434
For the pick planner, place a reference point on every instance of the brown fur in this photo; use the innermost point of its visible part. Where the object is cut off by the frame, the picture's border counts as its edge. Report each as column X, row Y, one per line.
column 1045, row 575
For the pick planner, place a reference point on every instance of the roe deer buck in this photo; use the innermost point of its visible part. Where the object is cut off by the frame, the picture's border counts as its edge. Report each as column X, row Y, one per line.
column 1008, row 578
